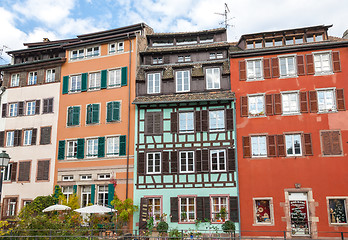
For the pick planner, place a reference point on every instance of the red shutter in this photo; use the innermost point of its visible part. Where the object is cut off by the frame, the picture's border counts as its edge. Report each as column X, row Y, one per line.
column 336, row 148
column 174, row 122
column 275, row 67
column 310, row 64
column 340, row 100
column 229, row 119
column 243, row 106
column 300, row 65
column 267, row 68
column 277, row 104
column 313, row 102
column 246, row 147
column 272, row 146
column 242, row 71
column 336, row 63
column 269, row 104
column 303, row 102
column 308, row 151
column 281, row 146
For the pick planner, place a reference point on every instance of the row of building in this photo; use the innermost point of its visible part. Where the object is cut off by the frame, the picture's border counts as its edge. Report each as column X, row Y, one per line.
column 186, row 124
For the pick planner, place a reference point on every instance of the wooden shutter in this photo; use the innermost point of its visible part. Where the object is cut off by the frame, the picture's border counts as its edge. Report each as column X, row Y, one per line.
column 141, row 163
column 331, row 143
column 198, row 121
column 267, row 68
column 242, row 71
column 95, row 113
column 17, row 138
column 50, row 105
column 229, row 119
column 92, row 193
column 205, row 160
column 111, row 193
column 272, row 152
column 200, row 208
column 149, row 118
column 103, row 81
column 313, row 102
column 101, row 147
column 61, row 150
column 243, row 106
column 109, row 112
column 165, row 162
column 124, row 76
column 2, row 138
column 24, row 171
column 116, row 111
column 340, row 100
column 89, row 114
column 21, row 108
column 234, row 217
column 65, row 88
column 205, row 124
column 174, row 122
column 206, row 204
column 303, row 102
column 300, row 65
column 143, row 213
column 308, row 151
column 45, row 106
column 34, row 136
column 174, row 209
column 80, row 148
column 198, row 157
column 37, row 107
column 231, row 159
column 310, row 64
column 336, row 63
column 14, row 172
column 45, row 137
column 277, row 104
column 174, row 161
column 275, row 68
column 4, row 110
column 123, row 145
column 269, row 104
column 326, row 143
column 43, row 167
column 84, row 79
column 157, row 123
column 281, row 146
column 76, row 115
column 246, row 147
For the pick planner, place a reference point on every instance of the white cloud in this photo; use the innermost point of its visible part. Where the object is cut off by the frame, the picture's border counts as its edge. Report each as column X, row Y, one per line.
column 78, row 26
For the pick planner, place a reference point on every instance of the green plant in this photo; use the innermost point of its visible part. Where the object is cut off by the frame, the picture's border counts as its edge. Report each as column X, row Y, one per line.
column 183, row 216
column 150, row 224
column 124, row 208
column 223, row 213
column 35, row 208
column 174, row 234
column 228, row 226
column 162, row 227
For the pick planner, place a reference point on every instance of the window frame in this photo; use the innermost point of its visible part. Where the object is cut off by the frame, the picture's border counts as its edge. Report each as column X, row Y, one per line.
column 106, row 176
column 50, row 75
column 117, row 74
column 293, row 145
column 87, row 194
column 345, row 199
column 104, row 194
column 214, row 80
column 15, row 80
column 334, row 99
column 153, row 163
column 187, row 123
column 11, row 133
column 30, row 110
column 220, row 205
column 92, row 150
column 115, row 142
column 67, row 178
column 74, row 148
column 153, row 87
column 321, row 71
column 94, row 82
column 151, row 208
column 94, row 54
column 188, row 220
column 218, row 151
column 68, row 193
column 260, row 114
column 187, row 164
column 261, row 77
column 32, row 78
column 285, row 113
column 258, row 143
column 217, row 119
column 287, row 57
column 271, row 209
column 78, row 81
column 27, row 138
column 182, row 73
column 86, row 177
column 7, row 173
column 80, row 54
column 13, row 111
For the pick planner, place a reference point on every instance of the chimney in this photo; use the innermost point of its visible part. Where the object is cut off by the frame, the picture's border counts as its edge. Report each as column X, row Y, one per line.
column 345, row 34
column 46, row 40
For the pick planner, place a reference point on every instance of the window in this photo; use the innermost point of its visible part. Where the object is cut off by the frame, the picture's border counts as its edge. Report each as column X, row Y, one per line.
column 338, row 211
column 258, row 44
column 153, row 83
column 31, row 108
column 67, row 178
column 26, row 202
column 86, row 193
column 153, row 123
column 213, row 78
column 331, row 143
column 293, row 145
column 290, row 103
column 254, row 69
column 72, row 149
column 47, row 105
column 212, row 56
column 113, row 146
column 27, row 137
column 154, row 162
column 186, row 58
column 259, row 146
column 206, row 39
column 326, row 100
column 103, row 195
column 219, row 209
column 11, row 204
column 157, row 60
column 32, row 78
column 92, row 52
column 155, row 208
column 86, row 177
column 67, row 191
column 256, row 105
column 104, row 176
column 10, row 139
column 186, row 124
column 94, row 80
column 182, row 81
column 43, row 170
column 113, row 111
column 187, row 206
column 6, row 172
column 287, row 66
column 45, row 137
column 50, row 75
column 92, row 147
column 263, row 211
column 13, row 111
column 15, row 80
column 186, row 162
column 218, row 160
column 269, row 43
column 92, row 114
column 24, row 171
column 114, row 78
column 77, row 54
column 219, row 55
column 112, row 47
column 120, row 47
column 162, row 43
column 75, row 85
column 73, row 116
column 184, row 41
column 322, row 63
column 217, row 120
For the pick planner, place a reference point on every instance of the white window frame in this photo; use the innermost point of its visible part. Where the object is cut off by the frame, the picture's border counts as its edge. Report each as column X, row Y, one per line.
column 251, row 75
column 67, row 191
column 104, row 176
column 10, row 139
column 186, row 119
column 257, row 141
column 120, row 46
column 112, row 146
column 112, row 48
column 86, row 194
column 85, row 177
column 13, row 109
column 151, row 84
column 157, row 60
column 219, row 205
column 288, row 136
column 345, row 199
column 6, row 173
column 94, row 81
column 15, row 80
column 74, row 82
column 71, row 150
column 152, row 208
column 11, row 207
column 187, row 209
column 217, row 120
column 153, row 163
column 291, row 110
column 326, row 109
column 218, row 152
column 287, row 71
column 114, row 78
column 31, row 105
column 271, row 217
column 67, row 178
column 219, row 55
column 318, row 63
column 92, row 148
column 80, row 54
column 95, row 51
column 32, row 78
column 256, row 114
column 103, row 195
column 180, row 80
column 186, row 161
column 213, row 78
column 50, row 75
column 27, row 137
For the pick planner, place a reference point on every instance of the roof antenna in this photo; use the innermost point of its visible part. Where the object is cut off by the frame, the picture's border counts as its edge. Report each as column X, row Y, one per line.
column 1, row 51
column 225, row 14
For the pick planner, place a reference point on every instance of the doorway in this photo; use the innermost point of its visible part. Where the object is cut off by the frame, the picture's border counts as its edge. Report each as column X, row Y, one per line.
column 298, row 204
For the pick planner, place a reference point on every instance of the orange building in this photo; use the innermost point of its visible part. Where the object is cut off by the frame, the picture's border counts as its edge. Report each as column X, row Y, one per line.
column 292, row 132
column 96, row 117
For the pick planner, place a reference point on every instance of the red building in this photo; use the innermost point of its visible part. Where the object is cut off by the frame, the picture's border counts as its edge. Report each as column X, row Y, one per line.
column 292, row 132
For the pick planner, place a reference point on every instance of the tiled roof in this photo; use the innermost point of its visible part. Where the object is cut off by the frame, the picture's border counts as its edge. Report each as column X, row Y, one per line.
column 185, row 97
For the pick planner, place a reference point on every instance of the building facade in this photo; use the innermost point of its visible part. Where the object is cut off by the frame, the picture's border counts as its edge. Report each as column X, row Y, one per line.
column 291, row 110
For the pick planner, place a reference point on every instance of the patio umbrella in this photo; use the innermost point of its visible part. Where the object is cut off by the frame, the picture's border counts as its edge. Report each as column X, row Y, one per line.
column 57, row 207
column 95, row 209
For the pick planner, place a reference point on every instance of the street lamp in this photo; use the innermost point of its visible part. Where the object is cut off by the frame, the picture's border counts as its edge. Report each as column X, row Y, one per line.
column 4, row 161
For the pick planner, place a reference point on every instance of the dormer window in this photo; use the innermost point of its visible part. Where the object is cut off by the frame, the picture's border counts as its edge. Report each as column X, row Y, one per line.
column 258, row 44
column 269, row 43
column 157, row 60
column 77, row 54
column 250, row 45
column 206, row 39
column 186, row 58
column 186, row 41
column 162, row 43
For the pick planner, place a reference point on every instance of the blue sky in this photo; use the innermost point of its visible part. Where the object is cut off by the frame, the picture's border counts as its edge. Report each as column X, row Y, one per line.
column 31, row 20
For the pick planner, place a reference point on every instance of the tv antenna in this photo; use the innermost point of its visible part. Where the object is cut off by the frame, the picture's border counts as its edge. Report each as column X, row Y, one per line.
column 226, row 20
column 2, row 50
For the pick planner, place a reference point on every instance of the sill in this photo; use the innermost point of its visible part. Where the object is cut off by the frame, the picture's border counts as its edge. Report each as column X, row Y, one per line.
column 217, row 130
column 256, row 116
column 337, row 224
column 187, row 172
column 188, row 132
column 74, row 91
column 294, row 156
column 153, row 134
column 214, row 88
column 71, row 126
column 186, row 91
column 115, row 121
column 327, row 111
column 340, row 155
column 188, row 222
column 157, row 173
column 94, row 89
column 114, row 86
column 323, row 73
column 288, row 76
column 254, row 79
column 291, row 114
column 264, row 224
column 217, row 171
column 259, row 157
column 112, row 155
column 92, row 124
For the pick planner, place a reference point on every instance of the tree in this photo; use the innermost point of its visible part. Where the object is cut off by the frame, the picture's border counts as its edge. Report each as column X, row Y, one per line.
column 124, row 209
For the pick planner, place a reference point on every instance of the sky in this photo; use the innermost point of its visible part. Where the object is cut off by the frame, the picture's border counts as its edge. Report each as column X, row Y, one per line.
column 23, row 21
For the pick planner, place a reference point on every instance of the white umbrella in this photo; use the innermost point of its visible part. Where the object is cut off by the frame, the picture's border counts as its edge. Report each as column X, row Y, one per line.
column 95, row 209
column 56, row 207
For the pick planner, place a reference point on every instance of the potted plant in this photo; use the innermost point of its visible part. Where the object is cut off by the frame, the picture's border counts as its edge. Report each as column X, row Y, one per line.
column 228, row 226
column 184, row 216
column 162, row 227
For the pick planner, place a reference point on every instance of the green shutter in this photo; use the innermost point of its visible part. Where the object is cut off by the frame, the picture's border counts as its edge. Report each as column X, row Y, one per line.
column 89, row 114
column 80, row 148
column 104, row 78
column 65, row 85
column 101, row 147
column 92, row 193
column 70, row 116
column 76, row 116
column 109, row 112
column 116, row 111
column 84, row 82
column 123, row 145
column 111, row 193
column 95, row 113
column 124, row 76
column 61, row 150
column 75, row 189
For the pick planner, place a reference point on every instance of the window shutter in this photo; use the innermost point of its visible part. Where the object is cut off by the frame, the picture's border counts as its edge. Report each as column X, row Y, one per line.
column 101, row 147
column 45, row 137
column 303, row 102
column 340, row 100
column 84, row 78
column 326, row 143
column 242, row 71
column 267, row 68
column 234, row 209
column 80, row 148
column 174, row 209
column 246, row 147
column 43, row 170
column 21, row 108
column 313, row 102
column 272, row 146
column 200, row 208
column 70, row 116
column 109, row 112
column 229, row 119
column 149, row 123
column 206, row 204
column 310, row 64
column 281, row 146
column 174, row 161
column 308, row 151
column 231, row 160
column 61, row 150
column 141, row 163
column 65, row 89
column 111, row 193
column 277, row 104
column 204, row 125
column 124, row 76
column 174, row 122
column 165, row 162
column 50, row 105
column 336, row 148
column 143, row 213
column 198, row 156
column 4, row 110
column 243, row 106
column 45, row 106
column 205, row 160
column 198, row 121
column 37, row 107
column 92, row 193
column 275, row 68
column 75, row 189
column 336, row 61
column 103, row 81
column 300, row 65
column 76, row 116
column 89, row 114
column 157, row 119
column 2, row 138
column 17, row 138
column 95, row 113
column 14, row 172
column 24, row 171
column 269, row 104
column 123, row 145
column 34, row 136
column 116, row 111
